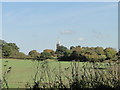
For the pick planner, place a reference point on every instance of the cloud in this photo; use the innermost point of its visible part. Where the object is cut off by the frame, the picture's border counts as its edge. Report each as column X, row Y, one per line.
column 67, row 32
column 81, row 39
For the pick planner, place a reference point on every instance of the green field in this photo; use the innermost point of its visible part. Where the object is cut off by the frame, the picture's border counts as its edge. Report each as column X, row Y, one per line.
column 23, row 71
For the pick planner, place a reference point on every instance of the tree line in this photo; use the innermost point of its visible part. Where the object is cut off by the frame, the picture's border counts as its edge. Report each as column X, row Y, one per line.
column 62, row 53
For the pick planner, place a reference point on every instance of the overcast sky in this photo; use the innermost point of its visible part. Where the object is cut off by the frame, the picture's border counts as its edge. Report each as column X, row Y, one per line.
column 38, row 26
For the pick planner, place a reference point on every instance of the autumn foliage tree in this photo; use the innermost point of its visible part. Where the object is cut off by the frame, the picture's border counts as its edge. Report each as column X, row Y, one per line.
column 92, row 54
column 110, row 53
column 34, row 54
column 77, row 53
column 52, row 52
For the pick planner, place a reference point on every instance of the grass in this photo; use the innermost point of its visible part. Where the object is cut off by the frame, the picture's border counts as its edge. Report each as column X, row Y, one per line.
column 23, row 71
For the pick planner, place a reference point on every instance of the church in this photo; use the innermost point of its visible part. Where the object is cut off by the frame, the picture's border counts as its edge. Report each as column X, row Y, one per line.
column 58, row 44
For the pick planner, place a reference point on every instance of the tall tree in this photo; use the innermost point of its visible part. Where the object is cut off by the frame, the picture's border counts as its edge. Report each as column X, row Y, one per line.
column 61, row 50
column 6, row 50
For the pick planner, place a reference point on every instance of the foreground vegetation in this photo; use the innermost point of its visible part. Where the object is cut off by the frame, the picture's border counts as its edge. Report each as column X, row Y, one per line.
column 60, row 75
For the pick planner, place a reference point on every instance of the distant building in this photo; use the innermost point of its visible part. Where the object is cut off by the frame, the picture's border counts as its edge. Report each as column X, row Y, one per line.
column 58, row 44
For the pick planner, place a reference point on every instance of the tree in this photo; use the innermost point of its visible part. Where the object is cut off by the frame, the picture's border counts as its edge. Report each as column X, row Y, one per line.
column 34, row 54
column 102, row 57
column 21, row 55
column 110, row 53
column 74, row 55
column 61, row 50
column 13, row 46
column 50, row 51
column 99, row 50
column 45, row 55
column 118, row 54
column 77, row 56
column 77, row 48
column 6, row 50
column 72, row 47
column 9, row 50
column 67, row 53
column 66, row 56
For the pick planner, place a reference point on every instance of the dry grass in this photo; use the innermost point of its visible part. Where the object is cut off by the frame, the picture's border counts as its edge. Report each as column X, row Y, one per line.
column 74, row 75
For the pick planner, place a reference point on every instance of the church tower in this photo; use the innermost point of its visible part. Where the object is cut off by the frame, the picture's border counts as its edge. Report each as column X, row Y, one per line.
column 58, row 44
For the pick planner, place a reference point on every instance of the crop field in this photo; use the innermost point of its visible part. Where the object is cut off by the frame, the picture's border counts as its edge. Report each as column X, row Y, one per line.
column 24, row 72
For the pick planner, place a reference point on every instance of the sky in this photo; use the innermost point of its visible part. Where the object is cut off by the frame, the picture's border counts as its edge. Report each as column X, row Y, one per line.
column 39, row 25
